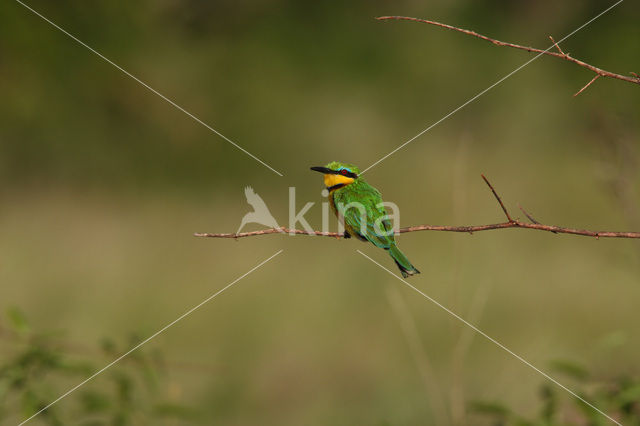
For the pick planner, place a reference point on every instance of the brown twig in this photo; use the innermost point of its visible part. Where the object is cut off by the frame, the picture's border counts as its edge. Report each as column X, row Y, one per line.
column 560, row 54
column 281, row 230
column 495, row 194
column 587, row 85
column 511, row 223
column 556, row 45
column 531, row 217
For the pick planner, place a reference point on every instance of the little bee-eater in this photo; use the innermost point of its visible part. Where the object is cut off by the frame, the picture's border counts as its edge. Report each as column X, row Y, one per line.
column 352, row 200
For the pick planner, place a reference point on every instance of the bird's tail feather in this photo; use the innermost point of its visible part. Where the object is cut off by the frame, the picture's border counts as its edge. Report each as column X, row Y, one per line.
column 405, row 266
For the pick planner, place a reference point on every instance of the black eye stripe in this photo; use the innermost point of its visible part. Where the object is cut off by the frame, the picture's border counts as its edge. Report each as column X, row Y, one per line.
column 348, row 174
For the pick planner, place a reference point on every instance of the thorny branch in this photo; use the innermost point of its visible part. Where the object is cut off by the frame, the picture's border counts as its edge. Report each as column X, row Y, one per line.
column 559, row 54
column 510, row 223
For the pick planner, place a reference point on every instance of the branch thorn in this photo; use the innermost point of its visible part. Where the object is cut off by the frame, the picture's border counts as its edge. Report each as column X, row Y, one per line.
column 531, row 217
column 587, row 85
column 495, row 194
column 558, row 47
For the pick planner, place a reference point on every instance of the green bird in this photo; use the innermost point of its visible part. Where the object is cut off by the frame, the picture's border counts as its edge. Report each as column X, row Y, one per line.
column 352, row 200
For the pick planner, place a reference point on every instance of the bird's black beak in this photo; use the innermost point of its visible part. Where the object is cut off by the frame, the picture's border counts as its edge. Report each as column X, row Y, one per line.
column 324, row 170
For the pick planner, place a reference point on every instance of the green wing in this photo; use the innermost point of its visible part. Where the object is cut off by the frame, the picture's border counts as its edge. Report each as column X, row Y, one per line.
column 370, row 199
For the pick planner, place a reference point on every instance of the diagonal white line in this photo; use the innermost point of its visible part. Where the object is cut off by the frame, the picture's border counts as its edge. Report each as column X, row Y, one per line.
column 150, row 337
column 491, row 87
column 150, row 88
column 492, row 340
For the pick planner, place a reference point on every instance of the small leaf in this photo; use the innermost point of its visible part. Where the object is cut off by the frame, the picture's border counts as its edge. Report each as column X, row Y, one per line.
column 82, row 368
column 613, row 340
column 491, row 408
column 93, row 401
column 168, row 409
column 124, row 387
column 570, row 369
column 18, row 320
column 595, row 418
column 630, row 395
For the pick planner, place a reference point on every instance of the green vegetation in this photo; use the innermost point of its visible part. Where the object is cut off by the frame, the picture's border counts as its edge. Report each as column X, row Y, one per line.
column 618, row 397
column 37, row 366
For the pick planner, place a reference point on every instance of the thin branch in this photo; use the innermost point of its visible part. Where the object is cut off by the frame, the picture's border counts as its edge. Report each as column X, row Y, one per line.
column 281, row 230
column 495, row 194
column 557, row 46
column 511, row 223
column 530, row 217
column 587, row 85
column 560, row 54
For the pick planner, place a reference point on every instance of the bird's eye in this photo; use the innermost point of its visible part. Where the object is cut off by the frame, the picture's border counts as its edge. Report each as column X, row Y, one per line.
column 344, row 172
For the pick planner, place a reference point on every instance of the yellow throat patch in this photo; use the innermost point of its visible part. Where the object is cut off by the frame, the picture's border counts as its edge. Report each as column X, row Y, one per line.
column 332, row 180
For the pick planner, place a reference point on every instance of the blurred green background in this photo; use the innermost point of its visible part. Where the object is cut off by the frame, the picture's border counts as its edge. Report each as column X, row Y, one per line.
column 102, row 185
